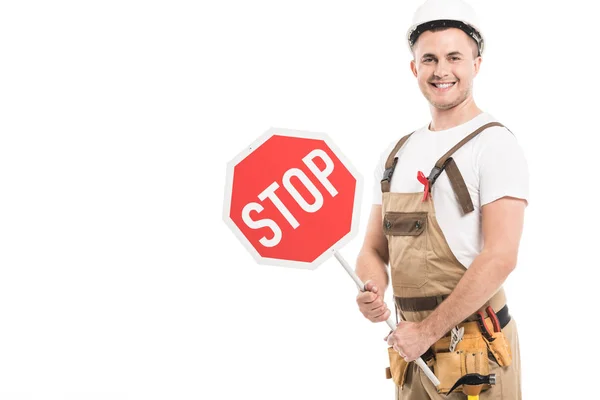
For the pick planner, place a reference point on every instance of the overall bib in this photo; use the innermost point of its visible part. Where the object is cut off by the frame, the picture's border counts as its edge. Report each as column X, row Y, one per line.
column 424, row 271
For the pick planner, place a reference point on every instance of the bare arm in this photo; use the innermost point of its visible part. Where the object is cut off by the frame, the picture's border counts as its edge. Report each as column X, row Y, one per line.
column 502, row 225
column 371, row 269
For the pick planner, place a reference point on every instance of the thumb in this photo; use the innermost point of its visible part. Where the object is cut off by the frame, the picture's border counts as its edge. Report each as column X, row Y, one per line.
column 371, row 287
column 388, row 335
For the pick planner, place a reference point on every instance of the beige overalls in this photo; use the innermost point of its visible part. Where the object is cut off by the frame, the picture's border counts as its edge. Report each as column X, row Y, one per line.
column 424, row 272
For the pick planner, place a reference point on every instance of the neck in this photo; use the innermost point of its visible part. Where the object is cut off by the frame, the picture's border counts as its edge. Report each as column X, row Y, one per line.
column 457, row 115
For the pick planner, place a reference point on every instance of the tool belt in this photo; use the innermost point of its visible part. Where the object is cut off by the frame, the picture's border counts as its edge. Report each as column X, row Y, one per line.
column 470, row 355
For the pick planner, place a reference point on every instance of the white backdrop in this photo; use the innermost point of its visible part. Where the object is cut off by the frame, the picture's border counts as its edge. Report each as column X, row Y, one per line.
column 118, row 277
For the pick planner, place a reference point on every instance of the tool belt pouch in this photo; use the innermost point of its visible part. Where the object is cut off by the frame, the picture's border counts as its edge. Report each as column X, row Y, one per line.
column 470, row 356
column 397, row 369
column 500, row 348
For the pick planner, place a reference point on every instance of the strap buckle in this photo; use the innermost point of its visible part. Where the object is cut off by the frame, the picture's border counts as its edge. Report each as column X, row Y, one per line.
column 436, row 172
column 387, row 175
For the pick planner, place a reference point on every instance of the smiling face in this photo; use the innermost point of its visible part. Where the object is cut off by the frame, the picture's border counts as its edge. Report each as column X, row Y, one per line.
column 445, row 63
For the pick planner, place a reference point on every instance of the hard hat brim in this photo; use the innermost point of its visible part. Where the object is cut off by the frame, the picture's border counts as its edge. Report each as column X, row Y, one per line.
column 416, row 31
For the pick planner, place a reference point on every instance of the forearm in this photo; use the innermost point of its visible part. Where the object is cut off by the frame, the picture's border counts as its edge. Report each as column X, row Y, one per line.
column 370, row 266
column 479, row 283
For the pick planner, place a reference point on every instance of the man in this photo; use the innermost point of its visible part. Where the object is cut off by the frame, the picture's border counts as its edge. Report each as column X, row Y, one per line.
column 451, row 236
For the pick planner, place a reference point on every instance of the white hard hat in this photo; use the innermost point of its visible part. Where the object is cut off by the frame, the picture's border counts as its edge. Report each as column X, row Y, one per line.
column 449, row 13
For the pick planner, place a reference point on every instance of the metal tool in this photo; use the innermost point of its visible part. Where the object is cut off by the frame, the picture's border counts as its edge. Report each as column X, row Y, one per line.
column 456, row 336
column 473, row 383
column 494, row 318
column 483, row 327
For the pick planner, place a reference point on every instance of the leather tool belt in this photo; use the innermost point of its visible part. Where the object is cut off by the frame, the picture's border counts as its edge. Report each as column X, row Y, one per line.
column 470, row 355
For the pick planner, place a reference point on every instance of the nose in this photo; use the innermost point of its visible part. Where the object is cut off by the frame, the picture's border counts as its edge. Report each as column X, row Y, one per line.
column 441, row 69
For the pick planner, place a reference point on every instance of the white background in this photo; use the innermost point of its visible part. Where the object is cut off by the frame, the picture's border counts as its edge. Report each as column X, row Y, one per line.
column 119, row 278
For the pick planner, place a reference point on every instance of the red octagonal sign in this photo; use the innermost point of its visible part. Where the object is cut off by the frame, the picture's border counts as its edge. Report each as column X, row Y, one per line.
column 292, row 197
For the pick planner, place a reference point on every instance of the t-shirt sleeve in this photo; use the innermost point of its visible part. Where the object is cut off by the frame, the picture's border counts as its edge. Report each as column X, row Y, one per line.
column 503, row 169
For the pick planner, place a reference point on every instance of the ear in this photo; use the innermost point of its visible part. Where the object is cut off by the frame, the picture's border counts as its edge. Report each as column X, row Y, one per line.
column 413, row 67
column 477, row 65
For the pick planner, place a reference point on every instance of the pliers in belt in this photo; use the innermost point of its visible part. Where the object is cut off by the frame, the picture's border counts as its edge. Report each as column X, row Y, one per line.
column 483, row 327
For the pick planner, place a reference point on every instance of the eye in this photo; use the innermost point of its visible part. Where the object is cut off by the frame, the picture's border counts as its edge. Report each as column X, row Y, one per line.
column 427, row 60
column 455, row 58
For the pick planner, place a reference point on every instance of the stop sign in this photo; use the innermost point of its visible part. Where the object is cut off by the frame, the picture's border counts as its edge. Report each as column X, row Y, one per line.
column 291, row 197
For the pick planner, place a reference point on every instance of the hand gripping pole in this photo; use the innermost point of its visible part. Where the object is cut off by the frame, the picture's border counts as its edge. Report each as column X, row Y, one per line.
column 390, row 321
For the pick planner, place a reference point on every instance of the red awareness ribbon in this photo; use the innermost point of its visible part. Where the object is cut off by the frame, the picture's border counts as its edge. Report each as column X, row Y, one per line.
column 423, row 179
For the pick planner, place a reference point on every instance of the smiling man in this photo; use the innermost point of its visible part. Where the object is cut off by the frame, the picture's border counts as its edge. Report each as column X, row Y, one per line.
column 447, row 217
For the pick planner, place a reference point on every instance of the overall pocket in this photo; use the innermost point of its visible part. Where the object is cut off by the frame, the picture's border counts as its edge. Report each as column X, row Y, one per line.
column 398, row 367
column 470, row 357
column 500, row 348
column 407, row 243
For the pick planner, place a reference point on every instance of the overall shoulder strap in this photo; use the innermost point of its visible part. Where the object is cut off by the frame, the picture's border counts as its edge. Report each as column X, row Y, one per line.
column 390, row 164
column 456, row 180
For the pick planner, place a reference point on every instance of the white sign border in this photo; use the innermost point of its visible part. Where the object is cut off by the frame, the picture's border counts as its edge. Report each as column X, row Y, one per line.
column 355, row 210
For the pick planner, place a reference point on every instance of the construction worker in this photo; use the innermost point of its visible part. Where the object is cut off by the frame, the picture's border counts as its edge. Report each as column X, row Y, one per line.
column 447, row 217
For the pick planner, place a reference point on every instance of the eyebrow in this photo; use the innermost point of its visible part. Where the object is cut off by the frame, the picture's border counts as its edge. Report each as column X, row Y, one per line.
column 454, row 53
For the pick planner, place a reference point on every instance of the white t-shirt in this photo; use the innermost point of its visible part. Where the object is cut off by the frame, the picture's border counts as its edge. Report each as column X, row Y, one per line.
column 492, row 164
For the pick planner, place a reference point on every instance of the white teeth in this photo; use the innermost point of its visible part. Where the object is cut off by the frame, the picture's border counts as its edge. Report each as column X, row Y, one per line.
column 443, row 85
